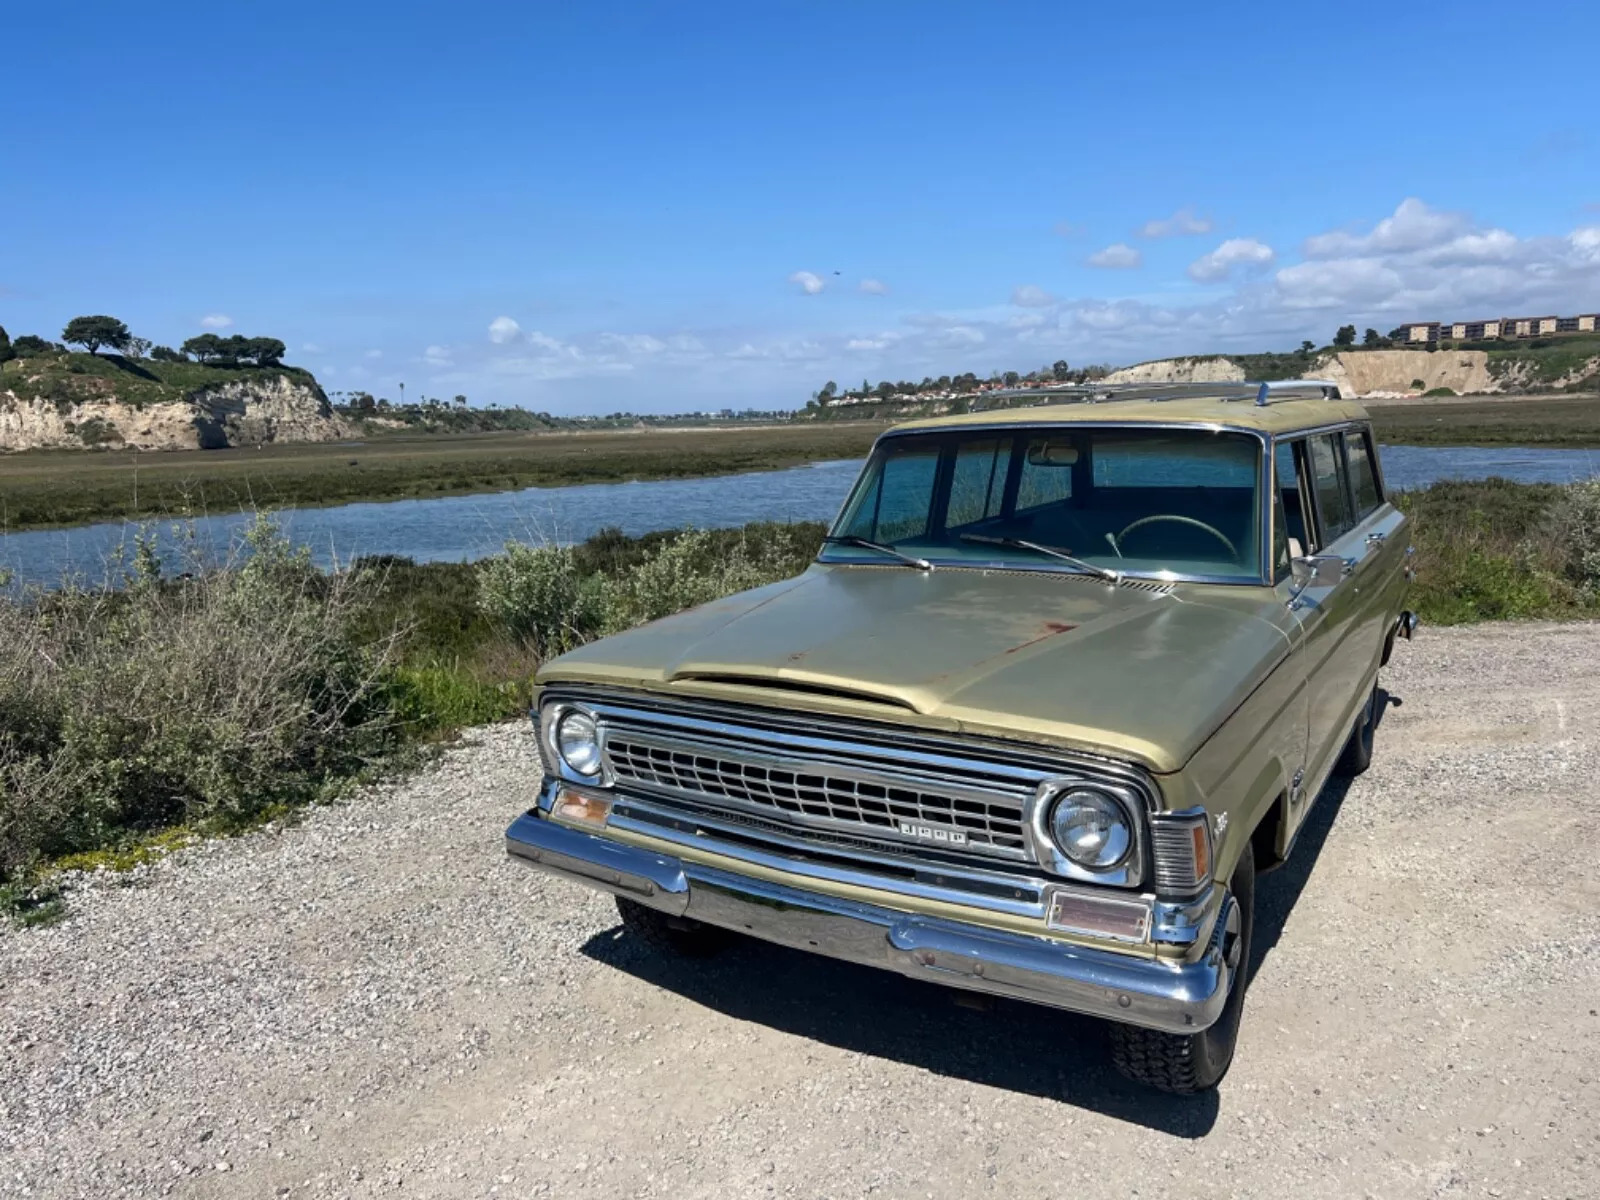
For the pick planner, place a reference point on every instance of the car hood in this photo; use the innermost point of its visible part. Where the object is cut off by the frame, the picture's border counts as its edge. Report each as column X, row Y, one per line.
column 1132, row 671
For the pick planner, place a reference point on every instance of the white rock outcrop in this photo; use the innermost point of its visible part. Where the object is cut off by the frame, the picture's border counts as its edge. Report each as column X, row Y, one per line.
column 1358, row 373
column 245, row 412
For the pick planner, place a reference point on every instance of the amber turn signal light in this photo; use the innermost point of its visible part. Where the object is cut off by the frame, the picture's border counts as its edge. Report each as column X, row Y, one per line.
column 580, row 808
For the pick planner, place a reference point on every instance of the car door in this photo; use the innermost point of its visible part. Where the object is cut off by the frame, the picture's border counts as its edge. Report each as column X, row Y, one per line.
column 1378, row 548
column 1331, row 615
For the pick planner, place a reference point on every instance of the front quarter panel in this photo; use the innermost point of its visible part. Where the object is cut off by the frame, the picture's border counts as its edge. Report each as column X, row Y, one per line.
column 1244, row 773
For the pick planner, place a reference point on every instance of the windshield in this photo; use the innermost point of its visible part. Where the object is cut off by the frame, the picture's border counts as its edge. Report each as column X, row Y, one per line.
column 1143, row 501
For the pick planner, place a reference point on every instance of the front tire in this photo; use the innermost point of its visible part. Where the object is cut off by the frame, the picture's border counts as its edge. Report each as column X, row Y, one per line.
column 1184, row 1063
column 675, row 935
column 1357, row 754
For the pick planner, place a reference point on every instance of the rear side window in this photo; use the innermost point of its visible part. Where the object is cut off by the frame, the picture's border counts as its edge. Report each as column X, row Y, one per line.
column 1327, row 477
column 1363, row 479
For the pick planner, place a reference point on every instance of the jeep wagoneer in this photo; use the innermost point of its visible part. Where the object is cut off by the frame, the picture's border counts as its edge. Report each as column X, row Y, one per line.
column 1060, row 682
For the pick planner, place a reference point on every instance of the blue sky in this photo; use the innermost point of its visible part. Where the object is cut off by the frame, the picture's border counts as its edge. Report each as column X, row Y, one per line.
column 589, row 207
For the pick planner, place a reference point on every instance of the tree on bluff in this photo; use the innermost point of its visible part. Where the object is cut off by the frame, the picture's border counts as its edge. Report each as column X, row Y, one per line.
column 231, row 351
column 6, row 352
column 93, row 332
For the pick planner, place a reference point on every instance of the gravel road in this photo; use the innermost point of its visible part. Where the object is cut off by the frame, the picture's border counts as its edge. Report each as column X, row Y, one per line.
column 375, row 1003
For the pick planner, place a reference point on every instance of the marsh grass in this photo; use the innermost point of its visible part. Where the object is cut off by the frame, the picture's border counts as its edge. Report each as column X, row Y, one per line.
column 1496, row 550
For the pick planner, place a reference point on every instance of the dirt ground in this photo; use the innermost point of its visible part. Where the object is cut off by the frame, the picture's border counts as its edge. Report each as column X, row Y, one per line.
column 377, row 1003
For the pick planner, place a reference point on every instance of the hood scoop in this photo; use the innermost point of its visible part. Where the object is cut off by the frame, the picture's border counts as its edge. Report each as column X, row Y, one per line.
column 793, row 687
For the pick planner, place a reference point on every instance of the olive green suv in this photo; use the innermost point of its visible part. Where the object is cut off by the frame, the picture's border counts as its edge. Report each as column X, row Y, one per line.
column 1061, row 682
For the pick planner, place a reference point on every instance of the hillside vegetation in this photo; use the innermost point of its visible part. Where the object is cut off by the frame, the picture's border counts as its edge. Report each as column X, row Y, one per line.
column 67, row 378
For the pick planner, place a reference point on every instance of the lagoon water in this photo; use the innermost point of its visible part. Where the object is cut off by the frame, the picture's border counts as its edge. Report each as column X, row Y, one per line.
column 461, row 528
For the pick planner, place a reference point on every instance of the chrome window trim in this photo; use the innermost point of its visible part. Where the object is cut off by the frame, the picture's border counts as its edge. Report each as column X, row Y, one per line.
column 1263, row 578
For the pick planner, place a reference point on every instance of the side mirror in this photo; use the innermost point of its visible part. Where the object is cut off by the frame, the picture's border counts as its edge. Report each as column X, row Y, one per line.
column 1318, row 571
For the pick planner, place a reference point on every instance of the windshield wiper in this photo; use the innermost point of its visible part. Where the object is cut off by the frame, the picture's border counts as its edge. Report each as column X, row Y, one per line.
column 911, row 560
column 1105, row 573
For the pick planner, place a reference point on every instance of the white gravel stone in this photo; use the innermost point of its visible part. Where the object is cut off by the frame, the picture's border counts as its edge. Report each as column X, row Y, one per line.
column 375, row 1002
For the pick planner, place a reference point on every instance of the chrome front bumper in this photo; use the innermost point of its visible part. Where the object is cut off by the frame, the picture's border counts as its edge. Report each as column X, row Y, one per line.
column 1179, row 997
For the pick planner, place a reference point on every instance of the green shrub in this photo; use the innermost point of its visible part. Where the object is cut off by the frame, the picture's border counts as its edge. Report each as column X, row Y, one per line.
column 1572, row 526
column 538, row 594
column 1439, row 391
column 206, row 700
column 552, row 598
column 433, row 701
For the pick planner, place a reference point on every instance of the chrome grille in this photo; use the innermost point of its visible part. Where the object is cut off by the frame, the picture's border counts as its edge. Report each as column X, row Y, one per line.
column 819, row 793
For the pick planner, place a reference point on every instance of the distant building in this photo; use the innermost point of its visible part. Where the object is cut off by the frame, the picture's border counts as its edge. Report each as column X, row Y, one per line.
column 1422, row 333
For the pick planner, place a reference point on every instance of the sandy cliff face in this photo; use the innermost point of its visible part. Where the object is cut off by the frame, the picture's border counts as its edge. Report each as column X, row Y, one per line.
column 1180, row 370
column 1360, row 373
column 1366, row 372
column 243, row 412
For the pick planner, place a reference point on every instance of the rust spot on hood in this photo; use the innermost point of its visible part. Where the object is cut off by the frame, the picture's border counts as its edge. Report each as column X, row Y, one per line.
column 1051, row 628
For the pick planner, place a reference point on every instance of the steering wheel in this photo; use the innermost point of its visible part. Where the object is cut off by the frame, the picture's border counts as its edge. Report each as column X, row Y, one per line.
column 1216, row 533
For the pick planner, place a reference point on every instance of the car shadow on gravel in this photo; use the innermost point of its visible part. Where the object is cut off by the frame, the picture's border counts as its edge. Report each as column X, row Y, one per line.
column 1019, row 1047
column 1277, row 892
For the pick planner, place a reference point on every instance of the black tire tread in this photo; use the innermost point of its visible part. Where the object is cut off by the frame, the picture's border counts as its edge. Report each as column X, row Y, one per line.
column 671, row 935
column 1356, row 756
column 1164, row 1061
column 1177, row 1062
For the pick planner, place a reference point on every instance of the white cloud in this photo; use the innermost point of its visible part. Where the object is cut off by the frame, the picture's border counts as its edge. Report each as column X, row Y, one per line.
column 1183, row 223
column 1586, row 243
column 374, row 353
column 551, row 345
column 1235, row 252
column 642, row 344
column 1411, row 266
column 958, row 336
column 438, row 356
column 880, row 341
column 1031, row 296
column 807, row 282
column 1116, row 257
column 1422, row 263
column 216, row 320
column 311, row 348
column 874, row 287
column 503, row 330
column 1414, row 226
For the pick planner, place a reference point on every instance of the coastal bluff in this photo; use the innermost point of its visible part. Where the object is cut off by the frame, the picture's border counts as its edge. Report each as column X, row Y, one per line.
column 82, row 401
column 1379, row 374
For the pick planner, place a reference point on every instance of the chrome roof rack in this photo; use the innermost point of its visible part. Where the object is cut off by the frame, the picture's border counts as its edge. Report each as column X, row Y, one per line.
column 1263, row 393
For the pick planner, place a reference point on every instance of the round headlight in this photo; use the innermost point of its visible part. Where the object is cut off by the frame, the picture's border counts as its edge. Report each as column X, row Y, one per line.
column 1091, row 829
column 577, row 742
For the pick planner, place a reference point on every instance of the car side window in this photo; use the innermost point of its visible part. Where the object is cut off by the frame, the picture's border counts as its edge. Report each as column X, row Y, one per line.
column 1363, row 479
column 1289, row 503
column 1327, row 471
